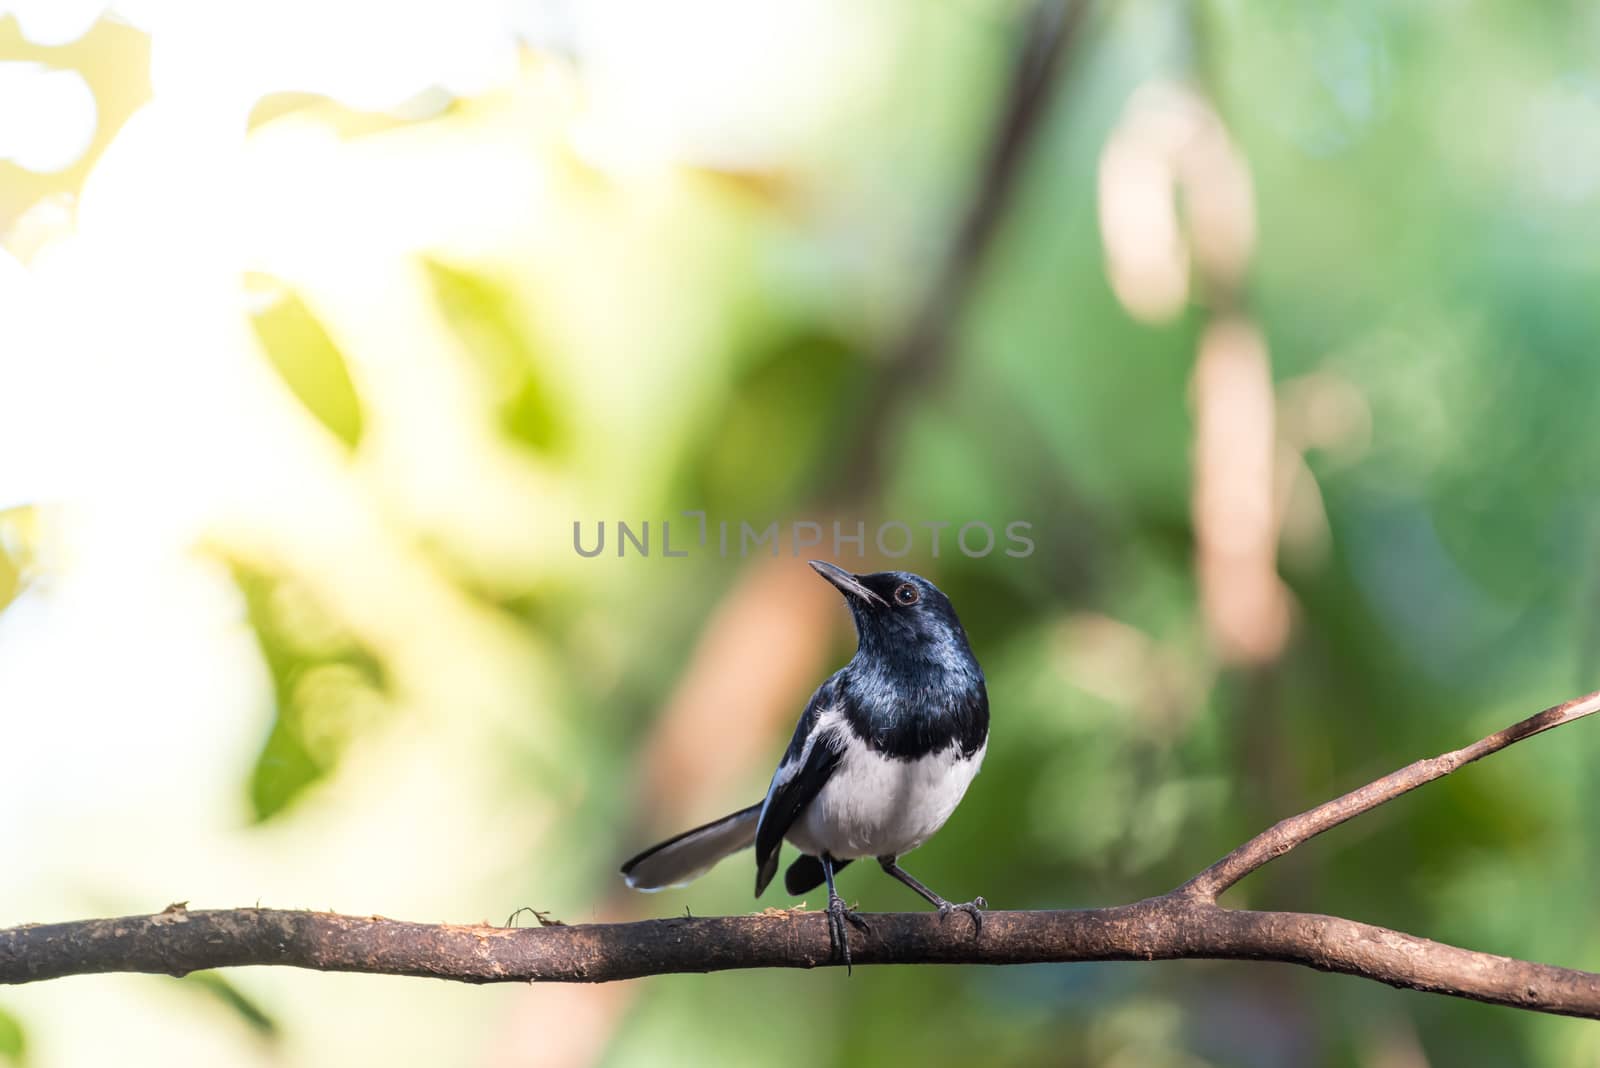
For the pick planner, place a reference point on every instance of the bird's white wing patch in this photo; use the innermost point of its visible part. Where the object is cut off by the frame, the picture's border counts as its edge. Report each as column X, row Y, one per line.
column 828, row 721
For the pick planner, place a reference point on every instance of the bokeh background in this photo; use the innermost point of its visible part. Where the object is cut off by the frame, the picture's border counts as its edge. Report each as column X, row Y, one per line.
column 321, row 324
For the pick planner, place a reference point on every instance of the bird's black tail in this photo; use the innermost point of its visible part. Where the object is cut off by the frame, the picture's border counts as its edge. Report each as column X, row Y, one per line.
column 806, row 874
column 691, row 854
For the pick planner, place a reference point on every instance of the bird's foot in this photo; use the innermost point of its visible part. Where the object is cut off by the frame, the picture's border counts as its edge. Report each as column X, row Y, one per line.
column 838, row 914
column 972, row 908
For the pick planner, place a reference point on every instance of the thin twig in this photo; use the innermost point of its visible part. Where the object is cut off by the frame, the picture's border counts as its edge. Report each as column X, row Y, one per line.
column 1186, row 923
column 1286, row 834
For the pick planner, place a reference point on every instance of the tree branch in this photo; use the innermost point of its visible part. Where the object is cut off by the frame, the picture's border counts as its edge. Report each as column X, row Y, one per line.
column 1184, row 924
column 1166, row 928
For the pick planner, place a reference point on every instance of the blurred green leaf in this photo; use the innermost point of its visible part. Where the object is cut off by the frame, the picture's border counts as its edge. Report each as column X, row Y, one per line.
column 13, row 1041
column 325, row 685
column 789, row 410
column 18, row 534
column 485, row 317
column 310, row 364
column 283, row 769
column 217, row 988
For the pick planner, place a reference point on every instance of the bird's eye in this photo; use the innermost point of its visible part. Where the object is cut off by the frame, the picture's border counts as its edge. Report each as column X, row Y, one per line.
column 906, row 594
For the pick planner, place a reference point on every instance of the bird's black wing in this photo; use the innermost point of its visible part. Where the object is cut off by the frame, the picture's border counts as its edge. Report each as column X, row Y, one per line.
column 813, row 754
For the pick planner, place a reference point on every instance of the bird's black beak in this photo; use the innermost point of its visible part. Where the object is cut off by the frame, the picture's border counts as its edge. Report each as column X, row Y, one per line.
column 846, row 583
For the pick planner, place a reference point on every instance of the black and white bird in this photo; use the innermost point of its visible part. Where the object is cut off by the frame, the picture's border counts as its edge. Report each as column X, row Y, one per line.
column 883, row 753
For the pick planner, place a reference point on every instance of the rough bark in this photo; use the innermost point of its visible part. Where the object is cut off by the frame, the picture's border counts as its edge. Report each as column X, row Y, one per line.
column 1186, row 923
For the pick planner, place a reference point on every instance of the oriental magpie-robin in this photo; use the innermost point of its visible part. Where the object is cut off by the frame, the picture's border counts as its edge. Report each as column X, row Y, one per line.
column 882, row 755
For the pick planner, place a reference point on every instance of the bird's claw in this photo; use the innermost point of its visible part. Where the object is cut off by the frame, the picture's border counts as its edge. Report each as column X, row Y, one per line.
column 837, row 915
column 972, row 908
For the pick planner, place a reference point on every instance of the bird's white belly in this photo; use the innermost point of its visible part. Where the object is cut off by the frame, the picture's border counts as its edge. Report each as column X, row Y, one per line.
column 875, row 806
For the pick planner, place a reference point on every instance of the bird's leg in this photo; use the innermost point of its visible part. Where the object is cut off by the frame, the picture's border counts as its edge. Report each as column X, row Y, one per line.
column 838, row 914
column 971, row 908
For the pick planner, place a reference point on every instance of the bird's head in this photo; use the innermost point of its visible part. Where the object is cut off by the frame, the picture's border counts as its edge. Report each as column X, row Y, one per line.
column 901, row 615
